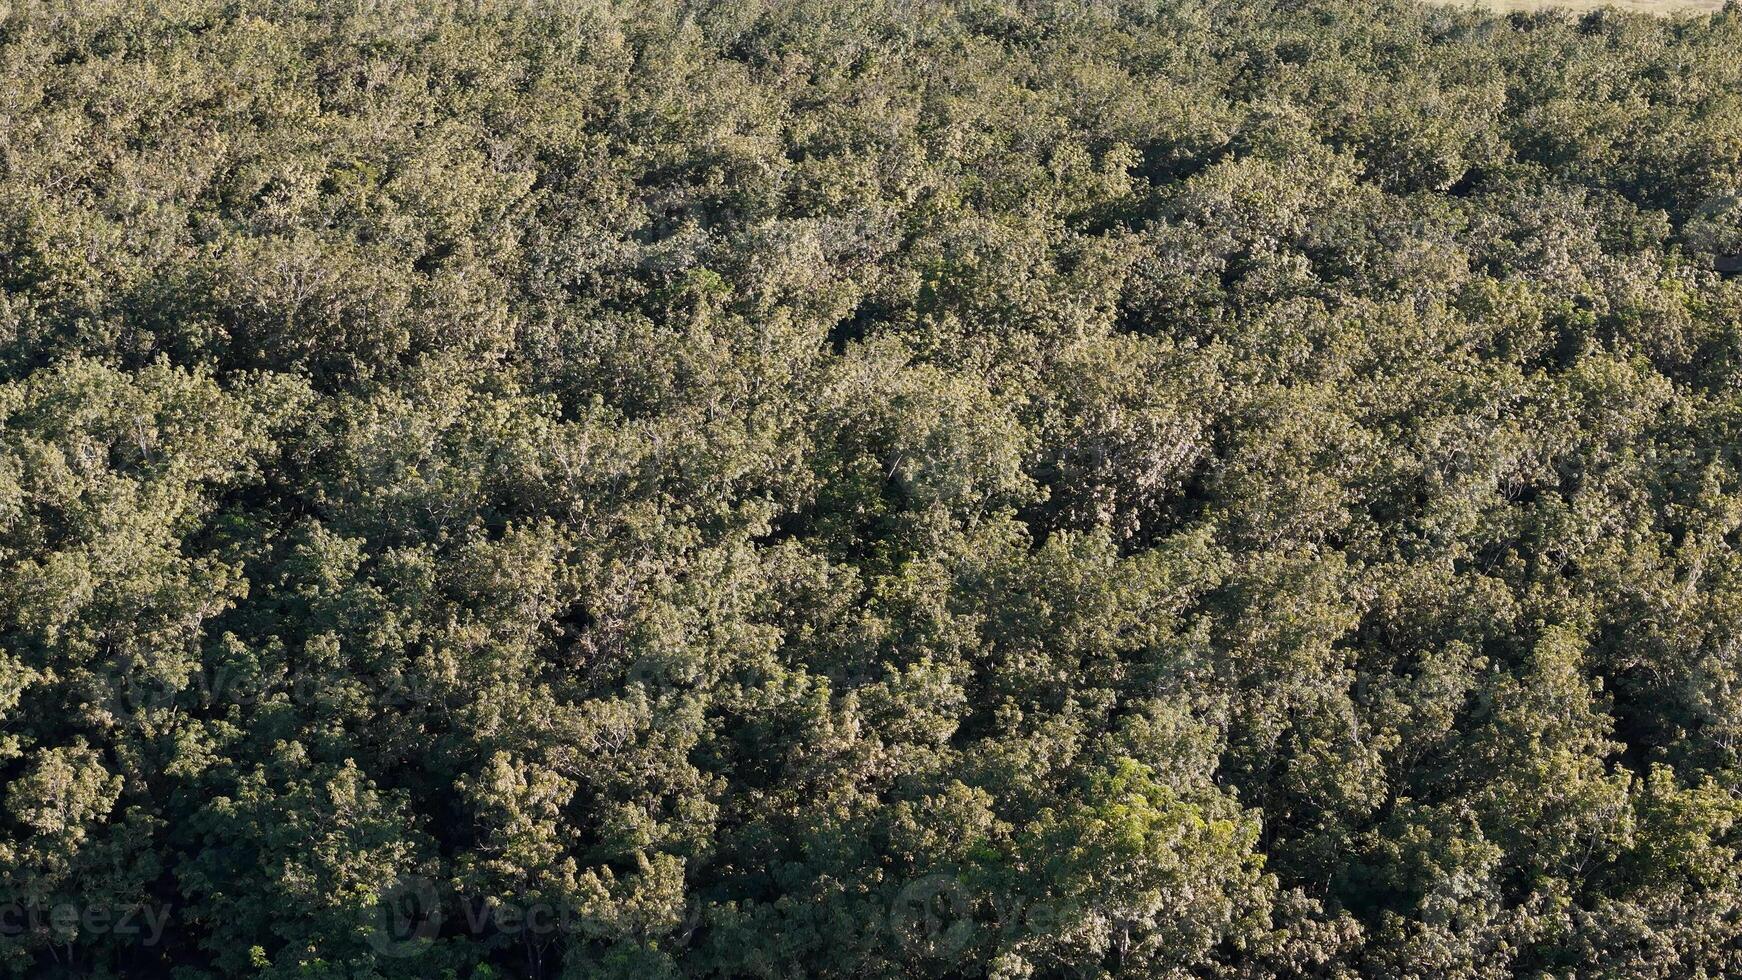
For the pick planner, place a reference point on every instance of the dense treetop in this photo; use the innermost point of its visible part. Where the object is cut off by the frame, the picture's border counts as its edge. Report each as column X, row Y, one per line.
column 792, row 488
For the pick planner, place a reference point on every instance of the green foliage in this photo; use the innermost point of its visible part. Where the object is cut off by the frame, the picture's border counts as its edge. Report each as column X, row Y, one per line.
column 789, row 488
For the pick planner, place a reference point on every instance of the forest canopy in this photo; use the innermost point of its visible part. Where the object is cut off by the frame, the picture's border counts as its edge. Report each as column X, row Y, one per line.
column 655, row 489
